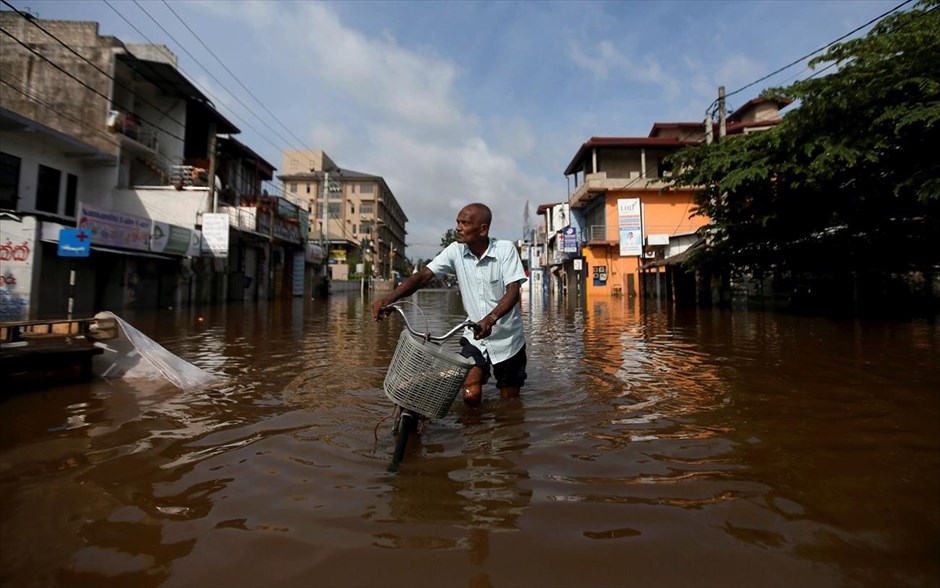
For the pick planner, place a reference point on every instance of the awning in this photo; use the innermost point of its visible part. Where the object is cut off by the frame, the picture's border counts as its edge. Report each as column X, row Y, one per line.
column 132, row 253
column 314, row 253
column 677, row 258
column 170, row 80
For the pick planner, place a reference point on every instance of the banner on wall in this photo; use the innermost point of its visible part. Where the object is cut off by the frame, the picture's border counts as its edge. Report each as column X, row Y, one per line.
column 215, row 234
column 115, row 229
column 569, row 240
column 630, row 225
column 17, row 252
column 167, row 238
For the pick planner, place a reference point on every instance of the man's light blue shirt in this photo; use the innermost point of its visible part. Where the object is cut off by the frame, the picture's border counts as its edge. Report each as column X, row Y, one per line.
column 482, row 285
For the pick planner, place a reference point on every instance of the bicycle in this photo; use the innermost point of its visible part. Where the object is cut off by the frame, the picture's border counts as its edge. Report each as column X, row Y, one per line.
column 423, row 379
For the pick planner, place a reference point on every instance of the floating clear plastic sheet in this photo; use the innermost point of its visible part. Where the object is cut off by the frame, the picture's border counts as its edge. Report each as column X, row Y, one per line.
column 131, row 355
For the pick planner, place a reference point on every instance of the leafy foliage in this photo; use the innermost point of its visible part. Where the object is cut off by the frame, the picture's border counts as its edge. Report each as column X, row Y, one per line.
column 449, row 237
column 850, row 180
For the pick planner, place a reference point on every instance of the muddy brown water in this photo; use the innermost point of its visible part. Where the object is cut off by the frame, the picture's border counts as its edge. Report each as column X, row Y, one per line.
column 650, row 448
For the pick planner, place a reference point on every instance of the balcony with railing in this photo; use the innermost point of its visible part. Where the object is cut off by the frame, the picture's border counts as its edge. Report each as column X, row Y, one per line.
column 268, row 216
column 600, row 183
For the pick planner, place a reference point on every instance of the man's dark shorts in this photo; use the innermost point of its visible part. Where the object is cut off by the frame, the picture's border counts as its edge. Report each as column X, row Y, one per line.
column 509, row 373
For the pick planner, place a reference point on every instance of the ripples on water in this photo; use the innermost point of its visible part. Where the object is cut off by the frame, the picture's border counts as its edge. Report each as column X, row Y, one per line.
column 649, row 448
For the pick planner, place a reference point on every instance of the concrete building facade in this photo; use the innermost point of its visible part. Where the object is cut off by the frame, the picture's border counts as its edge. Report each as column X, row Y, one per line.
column 628, row 221
column 353, row 214
column 111, row 138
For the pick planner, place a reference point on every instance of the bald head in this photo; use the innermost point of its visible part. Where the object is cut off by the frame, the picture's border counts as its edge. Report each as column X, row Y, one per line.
column 480, row 212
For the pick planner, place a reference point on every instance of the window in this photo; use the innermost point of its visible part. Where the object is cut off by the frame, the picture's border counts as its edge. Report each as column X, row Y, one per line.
column 293, row 187
column 365, row 188
column 334, row 191
column 71, row 194
column 47, row 189
column 333, row 210
column 308, row 188
column 366, row 208
column 9, row 180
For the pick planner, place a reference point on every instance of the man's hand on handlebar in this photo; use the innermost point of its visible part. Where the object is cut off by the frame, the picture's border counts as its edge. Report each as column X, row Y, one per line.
column 381, row 309
column 483, row 328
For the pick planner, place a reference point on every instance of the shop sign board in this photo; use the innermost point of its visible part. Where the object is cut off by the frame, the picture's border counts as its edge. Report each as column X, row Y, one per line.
column 167, row 238
column 18, row 240
column 569, row 240
column 630, row 226
column 115, row 229
column 215, row 234
column 74, row 243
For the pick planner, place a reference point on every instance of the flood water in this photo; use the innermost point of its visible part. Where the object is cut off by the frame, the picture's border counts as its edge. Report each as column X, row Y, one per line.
column 650, row 448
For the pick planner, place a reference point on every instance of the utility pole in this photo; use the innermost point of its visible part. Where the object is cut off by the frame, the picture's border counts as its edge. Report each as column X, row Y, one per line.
column 213, row 197
column 721, row 112
column 324, row 191
column 708, row 128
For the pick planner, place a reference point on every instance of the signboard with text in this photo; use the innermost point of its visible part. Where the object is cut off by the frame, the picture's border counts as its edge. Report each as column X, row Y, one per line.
column 18, row 244
column 569, row 240
column 630, row 226
column 215, row 234
column 74, row 243
column 167, row 238
column 113, row 228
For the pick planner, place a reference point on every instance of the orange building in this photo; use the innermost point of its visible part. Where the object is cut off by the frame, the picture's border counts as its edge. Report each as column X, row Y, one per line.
column 629, row 222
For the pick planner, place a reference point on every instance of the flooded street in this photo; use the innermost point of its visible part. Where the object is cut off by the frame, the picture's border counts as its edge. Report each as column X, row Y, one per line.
column 649, row 448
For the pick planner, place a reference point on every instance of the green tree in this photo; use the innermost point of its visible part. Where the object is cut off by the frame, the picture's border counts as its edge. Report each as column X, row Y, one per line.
column 849, row 181
column 448, row 238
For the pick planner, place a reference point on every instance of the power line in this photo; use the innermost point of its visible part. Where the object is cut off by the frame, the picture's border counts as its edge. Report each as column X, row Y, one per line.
column 206, row 47
column 709, row 110
column 235, row 115
column 211, row 75
column 41, row 99
column 143, row 99
column 94, row 90
column 44, row 103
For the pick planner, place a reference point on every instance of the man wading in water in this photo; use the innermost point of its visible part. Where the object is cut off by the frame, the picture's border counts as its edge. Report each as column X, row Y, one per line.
column 489, row 273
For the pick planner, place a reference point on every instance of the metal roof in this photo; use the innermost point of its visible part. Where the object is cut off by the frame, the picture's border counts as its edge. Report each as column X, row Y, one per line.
column 166, row 77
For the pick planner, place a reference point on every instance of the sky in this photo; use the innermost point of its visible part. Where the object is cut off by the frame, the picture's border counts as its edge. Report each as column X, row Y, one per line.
column 456, row 102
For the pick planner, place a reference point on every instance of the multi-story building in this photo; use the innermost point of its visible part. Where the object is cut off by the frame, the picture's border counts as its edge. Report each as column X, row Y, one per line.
column 110, row 137
column 627, row 223
column 547, row 272
column 353, row 214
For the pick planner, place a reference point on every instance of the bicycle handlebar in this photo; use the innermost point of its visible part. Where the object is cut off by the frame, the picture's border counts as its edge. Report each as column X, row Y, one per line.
column 427, row 336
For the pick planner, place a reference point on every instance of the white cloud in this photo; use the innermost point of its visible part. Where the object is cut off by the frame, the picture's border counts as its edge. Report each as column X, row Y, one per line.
column 514, row 136
column 596, row 66
column 388, row 110
column 608, row 60
column 447, row 116
column 432, row 181
column 376, row 74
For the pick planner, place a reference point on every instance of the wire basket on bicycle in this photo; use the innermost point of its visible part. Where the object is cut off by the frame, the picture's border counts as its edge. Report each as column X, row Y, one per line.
column 425, row 377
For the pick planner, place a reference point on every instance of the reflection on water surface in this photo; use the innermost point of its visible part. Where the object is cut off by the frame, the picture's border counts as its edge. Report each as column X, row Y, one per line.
column 658, row 448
